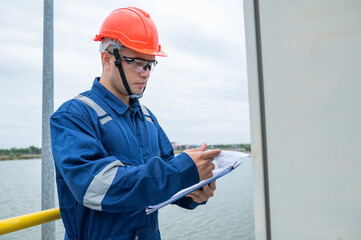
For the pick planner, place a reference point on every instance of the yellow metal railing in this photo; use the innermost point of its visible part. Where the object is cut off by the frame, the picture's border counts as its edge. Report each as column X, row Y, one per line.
column 28, row 220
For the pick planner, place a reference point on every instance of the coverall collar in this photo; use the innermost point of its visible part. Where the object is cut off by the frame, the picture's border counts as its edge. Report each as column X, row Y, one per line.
column 115, row 103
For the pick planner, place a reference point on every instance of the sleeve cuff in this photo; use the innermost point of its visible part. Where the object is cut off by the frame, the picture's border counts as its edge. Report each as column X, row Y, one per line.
column 190, row 204
column 187, row 168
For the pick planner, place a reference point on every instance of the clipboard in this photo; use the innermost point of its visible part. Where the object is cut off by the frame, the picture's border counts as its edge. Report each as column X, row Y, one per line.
column 225, row 162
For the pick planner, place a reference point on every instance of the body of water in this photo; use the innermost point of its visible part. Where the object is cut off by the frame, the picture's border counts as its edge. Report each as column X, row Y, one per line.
column 226, row 216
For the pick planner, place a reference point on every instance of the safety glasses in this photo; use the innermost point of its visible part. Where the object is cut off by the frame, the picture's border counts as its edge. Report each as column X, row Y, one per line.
column 138, row 64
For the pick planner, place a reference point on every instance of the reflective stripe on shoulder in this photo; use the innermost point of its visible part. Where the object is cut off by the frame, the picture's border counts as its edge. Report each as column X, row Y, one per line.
column 146, row 113
column 100, row 112
column 100, row 185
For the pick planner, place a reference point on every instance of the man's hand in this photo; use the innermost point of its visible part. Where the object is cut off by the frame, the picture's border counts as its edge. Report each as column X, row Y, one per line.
column 203, row 160
column 204, row 193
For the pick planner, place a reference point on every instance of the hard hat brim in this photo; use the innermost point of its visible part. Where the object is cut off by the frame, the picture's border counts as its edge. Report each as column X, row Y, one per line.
column 145, row 51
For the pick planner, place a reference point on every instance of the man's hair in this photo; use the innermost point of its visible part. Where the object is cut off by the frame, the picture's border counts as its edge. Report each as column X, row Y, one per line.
column 110, row 49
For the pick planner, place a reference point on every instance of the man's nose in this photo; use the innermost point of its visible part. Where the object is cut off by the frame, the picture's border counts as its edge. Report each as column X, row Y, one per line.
column 146, row 73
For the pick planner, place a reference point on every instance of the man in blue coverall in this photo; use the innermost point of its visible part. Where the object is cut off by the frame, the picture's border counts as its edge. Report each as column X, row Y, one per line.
column 112, row 158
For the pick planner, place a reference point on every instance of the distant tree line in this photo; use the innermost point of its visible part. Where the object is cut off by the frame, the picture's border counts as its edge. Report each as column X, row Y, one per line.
column 16, row 153
column 240, row 146
column 24, row 153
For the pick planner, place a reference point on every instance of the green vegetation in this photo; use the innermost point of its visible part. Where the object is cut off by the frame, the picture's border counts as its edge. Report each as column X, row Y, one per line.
column 34, row 152
column 20, row 153
column 234, row 147
column 241, row 147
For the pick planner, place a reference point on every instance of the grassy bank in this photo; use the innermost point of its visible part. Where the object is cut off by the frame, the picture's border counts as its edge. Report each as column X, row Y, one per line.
column 35, row 153
column 20, row 157
column 176, row 152
column 20, row 153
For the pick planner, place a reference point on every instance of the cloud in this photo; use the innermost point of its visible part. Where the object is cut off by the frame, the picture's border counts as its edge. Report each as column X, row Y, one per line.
column 198, row 93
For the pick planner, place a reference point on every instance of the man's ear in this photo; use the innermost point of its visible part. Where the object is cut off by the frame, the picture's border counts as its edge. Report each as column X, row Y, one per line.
column 107, row 60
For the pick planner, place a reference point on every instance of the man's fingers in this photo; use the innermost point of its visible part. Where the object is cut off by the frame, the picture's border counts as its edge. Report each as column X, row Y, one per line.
column 197, row 193
column 207, row 191
column 208, row 166
column 202, row 148
column 208, row 175
column 204, row 193
column 212, row 166
column 211, row 153
column 194, row 194
column 209, row 159
column 198, row 196
column 212, row 185
column 190, row 195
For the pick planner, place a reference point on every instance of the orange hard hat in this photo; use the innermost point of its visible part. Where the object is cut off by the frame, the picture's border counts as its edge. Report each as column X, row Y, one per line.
column 133, row 28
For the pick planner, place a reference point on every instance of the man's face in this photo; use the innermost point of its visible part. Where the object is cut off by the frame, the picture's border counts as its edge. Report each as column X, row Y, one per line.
column 136, row 80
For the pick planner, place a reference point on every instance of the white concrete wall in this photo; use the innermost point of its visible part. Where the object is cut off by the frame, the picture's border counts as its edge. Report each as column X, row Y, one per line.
column 310, row 67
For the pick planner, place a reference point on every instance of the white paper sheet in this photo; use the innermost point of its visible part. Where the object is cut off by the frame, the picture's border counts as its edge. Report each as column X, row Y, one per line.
column 225, row 162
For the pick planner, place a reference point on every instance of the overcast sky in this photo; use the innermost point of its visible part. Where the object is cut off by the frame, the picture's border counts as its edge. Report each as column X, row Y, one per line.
column 199, row 93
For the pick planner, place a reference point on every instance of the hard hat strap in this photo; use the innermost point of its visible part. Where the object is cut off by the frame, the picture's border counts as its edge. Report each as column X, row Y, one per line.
column 122, row 75
column 118, row 63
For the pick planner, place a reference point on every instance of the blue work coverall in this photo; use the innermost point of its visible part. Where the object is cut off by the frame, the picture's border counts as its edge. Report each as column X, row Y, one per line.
column 111, row 162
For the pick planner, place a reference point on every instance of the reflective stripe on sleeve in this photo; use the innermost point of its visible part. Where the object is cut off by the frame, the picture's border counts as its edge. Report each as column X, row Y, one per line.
column 100, row 112
column 100, row 185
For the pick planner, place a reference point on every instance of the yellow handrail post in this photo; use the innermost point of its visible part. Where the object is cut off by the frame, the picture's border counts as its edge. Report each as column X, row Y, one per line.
column 28, row 220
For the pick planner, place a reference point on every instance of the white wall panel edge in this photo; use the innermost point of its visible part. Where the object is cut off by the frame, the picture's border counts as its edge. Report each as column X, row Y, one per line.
column 255, row 119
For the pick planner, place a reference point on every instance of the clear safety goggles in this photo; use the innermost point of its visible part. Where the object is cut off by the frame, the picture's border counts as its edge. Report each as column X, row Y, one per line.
column 138, row 64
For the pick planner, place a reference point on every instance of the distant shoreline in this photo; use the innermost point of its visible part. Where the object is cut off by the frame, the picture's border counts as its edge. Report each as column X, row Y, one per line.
column 20, row 157
column 13, row 153
column 176, row 152
column 38, row 156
